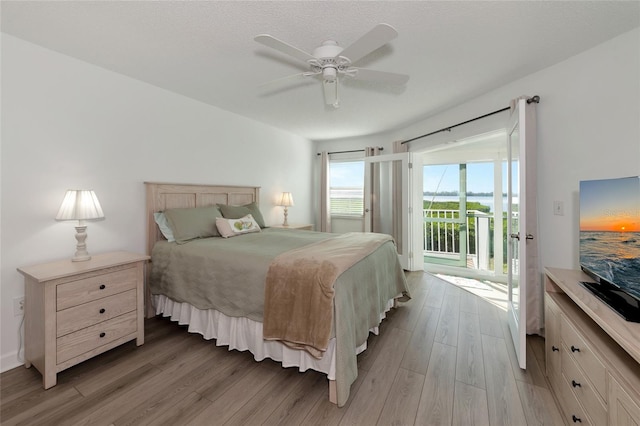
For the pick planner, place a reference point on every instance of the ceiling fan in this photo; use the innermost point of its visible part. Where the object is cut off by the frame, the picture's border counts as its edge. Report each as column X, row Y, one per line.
column 329, row 61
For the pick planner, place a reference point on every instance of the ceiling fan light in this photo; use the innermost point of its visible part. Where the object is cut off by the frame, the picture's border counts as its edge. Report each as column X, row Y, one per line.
column 329, row 74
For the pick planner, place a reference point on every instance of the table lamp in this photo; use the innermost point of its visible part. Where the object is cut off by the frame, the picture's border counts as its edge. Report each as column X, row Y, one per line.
column 286, row 201
column 80, row 205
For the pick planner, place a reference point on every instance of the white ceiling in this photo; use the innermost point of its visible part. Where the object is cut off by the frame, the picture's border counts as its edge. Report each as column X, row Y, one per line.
column 453, row 50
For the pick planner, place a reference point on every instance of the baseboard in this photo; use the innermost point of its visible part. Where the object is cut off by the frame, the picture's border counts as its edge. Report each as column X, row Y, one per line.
column 9, row 361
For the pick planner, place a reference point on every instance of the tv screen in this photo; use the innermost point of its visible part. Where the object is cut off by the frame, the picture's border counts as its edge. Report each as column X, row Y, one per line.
column 610, row 240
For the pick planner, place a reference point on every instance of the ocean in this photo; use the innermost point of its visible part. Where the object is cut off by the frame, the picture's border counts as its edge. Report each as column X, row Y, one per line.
column 613, row 255
column 484, row 200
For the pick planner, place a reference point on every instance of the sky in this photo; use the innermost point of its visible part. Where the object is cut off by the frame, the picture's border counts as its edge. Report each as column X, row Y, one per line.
column 610, row 205
column 447, row 178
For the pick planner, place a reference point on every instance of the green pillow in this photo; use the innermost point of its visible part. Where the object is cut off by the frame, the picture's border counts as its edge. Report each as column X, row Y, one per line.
column 191, row 223
column 236, row 212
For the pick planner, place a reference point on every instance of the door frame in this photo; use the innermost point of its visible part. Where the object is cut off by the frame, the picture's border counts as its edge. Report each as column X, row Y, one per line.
column 410, row 194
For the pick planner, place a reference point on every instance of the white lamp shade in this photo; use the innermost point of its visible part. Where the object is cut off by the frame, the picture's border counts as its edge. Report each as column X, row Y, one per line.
column 287, row 200
column 80, row 205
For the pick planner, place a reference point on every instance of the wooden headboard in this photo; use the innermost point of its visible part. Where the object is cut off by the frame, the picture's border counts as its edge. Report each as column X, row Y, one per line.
column 162, row 196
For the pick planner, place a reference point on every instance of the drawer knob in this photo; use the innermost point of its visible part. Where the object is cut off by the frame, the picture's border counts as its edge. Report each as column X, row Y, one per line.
column 555, row 349
column 103, row 310
column 103, row 334
column 102, row 286
column 574, row 349
column 576, row 419
column 575, row 384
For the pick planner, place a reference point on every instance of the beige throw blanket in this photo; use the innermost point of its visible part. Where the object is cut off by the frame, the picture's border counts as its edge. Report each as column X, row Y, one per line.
column 298, row 306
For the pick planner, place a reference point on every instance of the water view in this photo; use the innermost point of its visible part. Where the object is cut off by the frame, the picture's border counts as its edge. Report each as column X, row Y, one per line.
column 485, row 200
column 614, row 256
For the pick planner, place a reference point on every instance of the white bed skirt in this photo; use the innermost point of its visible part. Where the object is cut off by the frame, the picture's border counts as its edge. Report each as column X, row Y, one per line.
column 244, row 334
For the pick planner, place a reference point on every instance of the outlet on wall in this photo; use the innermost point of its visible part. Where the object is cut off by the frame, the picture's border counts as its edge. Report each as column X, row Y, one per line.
column 18, row 306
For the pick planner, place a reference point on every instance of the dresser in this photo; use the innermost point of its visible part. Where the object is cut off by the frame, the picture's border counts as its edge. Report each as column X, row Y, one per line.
column 592, row 354
column 76, row 310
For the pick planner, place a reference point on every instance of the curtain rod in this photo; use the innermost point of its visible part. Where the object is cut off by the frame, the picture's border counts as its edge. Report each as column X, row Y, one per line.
column 534, row 99
column 345, row 152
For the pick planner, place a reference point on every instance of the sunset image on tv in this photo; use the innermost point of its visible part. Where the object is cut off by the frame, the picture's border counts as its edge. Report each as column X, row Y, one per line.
column 610, row 205
column 610, row 230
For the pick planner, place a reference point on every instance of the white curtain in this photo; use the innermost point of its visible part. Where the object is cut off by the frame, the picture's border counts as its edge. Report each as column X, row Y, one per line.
column 325, row 207
column 398, row 146
column 374, row 207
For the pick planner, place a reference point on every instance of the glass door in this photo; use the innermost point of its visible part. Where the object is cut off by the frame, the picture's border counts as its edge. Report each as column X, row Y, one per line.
column 520, row 246
column 445, row 214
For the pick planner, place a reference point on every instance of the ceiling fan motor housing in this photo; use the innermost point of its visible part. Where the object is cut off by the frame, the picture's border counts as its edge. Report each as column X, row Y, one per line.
column 329, row 49
column 327, row 60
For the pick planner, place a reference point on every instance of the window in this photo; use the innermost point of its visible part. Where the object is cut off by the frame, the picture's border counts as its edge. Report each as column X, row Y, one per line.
column 346, row 188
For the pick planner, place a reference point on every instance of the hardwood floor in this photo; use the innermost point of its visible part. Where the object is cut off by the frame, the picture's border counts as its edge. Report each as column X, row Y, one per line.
column 443, row 358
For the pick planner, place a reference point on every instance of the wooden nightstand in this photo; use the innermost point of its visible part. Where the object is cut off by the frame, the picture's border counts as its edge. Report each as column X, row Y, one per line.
column 304, row 226
column 76, row 310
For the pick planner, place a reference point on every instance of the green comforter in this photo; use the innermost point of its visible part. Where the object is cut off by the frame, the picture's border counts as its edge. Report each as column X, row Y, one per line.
column 229, row 275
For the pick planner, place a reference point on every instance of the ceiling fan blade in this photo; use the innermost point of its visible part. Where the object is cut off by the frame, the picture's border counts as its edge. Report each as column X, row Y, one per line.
column 331, row 92
column 386, row 77
column 292, row 77
column 283, row 47
column 377, row 37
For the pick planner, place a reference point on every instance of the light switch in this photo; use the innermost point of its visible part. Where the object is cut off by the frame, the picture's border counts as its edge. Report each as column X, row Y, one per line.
column 558, row 208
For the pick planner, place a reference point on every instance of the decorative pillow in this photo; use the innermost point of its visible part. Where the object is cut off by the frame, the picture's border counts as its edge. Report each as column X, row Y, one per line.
column 233, row 227
column 163, row 224
column 189, row 224
column 236, row 212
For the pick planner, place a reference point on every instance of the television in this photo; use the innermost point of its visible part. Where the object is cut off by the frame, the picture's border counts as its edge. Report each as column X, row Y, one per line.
column 610, row 242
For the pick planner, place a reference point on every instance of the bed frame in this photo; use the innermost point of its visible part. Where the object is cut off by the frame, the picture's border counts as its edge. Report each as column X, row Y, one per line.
column 162, row 196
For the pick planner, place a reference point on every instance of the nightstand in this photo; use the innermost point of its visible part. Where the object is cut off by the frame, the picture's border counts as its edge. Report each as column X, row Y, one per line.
column 76, row 310
column 303, row 226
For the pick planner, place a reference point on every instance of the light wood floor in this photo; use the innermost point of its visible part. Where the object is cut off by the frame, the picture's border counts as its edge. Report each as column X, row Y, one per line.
column 443, row 358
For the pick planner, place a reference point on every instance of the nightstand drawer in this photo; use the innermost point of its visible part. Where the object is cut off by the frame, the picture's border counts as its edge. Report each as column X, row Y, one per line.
column 93, row 337
column 585, row 358
column 88, row 314
column 88, row 289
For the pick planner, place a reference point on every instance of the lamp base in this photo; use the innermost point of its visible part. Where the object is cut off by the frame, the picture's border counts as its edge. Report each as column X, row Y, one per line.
column 81, row 248
column 286, row 213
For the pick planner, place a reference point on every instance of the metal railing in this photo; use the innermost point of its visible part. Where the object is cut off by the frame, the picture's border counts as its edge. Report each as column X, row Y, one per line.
column 442, row 231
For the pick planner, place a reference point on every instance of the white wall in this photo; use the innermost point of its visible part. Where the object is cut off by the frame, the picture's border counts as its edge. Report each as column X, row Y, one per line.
column 69, row 124
column 588, row 128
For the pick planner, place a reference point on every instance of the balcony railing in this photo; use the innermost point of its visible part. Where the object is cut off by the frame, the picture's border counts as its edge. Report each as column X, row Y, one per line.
column 442, row 231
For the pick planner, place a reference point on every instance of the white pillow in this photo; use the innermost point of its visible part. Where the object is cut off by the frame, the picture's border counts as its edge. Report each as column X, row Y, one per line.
column 163, row 224
column 233, row 227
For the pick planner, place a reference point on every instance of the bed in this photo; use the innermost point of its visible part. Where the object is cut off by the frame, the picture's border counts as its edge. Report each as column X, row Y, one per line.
column 238, row 290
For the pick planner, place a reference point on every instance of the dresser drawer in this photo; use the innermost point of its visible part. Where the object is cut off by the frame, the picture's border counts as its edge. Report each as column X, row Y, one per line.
column 571, row 408
column 552, row 340
column 88, row 314
column 86, row 290
column 585, row 358
column 90, row 338
column 583, row 390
